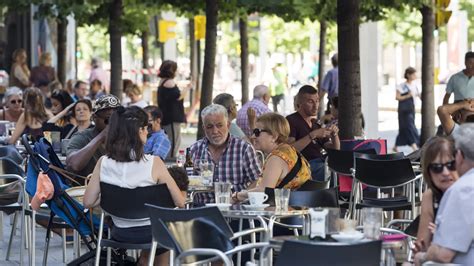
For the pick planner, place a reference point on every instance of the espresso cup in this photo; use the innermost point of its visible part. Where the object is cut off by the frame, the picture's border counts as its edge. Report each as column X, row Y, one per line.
column 257, row 198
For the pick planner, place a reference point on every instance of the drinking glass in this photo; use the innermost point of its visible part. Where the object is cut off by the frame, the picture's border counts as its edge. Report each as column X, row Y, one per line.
column 372, row 221
column 206, row 170
column 282, row 196
column 222, row 192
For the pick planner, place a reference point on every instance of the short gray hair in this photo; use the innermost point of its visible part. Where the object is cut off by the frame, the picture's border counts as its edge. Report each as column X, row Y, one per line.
column 463, row 140
column 259, row 91
column 214, row 109
column 225, row 100
column 12, row 91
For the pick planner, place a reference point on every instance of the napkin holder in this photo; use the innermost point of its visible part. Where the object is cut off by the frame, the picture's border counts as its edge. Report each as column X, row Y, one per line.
column 318, row 222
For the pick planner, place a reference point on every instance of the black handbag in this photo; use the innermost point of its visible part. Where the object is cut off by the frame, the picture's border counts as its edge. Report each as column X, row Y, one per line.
column 407, row 105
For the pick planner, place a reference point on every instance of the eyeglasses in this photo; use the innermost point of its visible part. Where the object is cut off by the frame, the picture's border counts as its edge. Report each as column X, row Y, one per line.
column 438, row 168
column 258, row 131
column 16, row 101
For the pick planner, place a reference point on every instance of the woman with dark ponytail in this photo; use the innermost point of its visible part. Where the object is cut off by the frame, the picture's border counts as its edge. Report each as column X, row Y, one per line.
column 126, row 165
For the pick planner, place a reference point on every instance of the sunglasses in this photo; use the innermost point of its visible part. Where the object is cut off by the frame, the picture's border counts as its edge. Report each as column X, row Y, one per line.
column 438, row 168
column 16, row 101
column 258, row 131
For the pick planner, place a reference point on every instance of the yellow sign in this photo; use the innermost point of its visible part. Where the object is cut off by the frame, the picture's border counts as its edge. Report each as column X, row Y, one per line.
column 199, row 27
column 166, row 31
column 442, row 15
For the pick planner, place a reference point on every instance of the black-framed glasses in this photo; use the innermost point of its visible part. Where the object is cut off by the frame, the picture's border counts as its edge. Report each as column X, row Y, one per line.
column 16, row 101
column 438, row 168
column 258, row 131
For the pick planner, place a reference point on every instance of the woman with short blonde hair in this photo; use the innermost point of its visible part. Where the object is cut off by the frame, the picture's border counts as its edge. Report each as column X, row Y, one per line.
column 270, row 136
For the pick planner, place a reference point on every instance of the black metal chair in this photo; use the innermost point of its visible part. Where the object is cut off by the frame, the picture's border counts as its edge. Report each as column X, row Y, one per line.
column 314, row 185
column 163, row 220
column 324, row 198
column 313, row 253
column 13, row 198
column 129, row 204
column 383, row 173
column 10, row 151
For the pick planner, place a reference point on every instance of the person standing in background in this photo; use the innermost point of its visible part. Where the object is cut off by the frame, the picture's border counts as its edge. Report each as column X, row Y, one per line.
column 278, row 85
column 44, row 73
column 20, row 73
column 330, row 84
column 170, row 101
column 407, row 132
column 461, row 83
column 98, row 73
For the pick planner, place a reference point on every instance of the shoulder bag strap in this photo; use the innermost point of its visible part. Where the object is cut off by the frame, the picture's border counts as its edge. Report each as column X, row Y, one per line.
column 296, row 168
column 70, row 132
column 67, row 174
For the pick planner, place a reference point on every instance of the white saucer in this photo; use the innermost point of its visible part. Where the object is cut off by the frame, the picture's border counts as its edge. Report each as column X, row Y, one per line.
column 348, row 237
column 219, row 205
column 256, row 207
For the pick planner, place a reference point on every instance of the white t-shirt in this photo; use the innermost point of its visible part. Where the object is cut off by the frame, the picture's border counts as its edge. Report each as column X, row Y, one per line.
column 413, row 87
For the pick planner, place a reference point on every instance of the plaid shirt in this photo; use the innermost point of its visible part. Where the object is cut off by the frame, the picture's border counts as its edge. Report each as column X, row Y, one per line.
column 158, row 144
column 238, row 164
column 242, row 120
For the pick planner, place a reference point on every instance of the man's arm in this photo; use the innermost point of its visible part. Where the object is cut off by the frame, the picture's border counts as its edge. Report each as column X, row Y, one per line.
column 446, row 98
column 306, row 140
column 78, row 159
column 435, row 253
column 444, row 114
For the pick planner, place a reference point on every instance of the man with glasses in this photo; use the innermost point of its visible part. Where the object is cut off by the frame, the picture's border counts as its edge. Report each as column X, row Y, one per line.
column 307, row 135
column 86, row 147
column 233, row 160
column 158, row 142
column 13, row 102
column 80, row 91
column 453, row 240
column 228, row 102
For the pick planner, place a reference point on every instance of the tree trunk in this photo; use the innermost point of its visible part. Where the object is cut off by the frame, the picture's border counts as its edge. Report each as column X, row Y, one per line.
column 209, row 59
column 349, row 69
column 244, row 57
column 62, row 50
column 427, row 75
column 145, row 66
column 115, row 31
column 194, row 62
column 322, row 60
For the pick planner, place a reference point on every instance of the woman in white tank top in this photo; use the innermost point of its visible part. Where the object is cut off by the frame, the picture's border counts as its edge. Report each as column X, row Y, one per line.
column 126, row 165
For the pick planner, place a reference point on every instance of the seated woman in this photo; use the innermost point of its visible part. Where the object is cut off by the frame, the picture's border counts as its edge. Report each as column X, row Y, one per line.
column 270, row 136
column 81, row 112
column 439, row 172
column 126, row 165
column 60, row 101
column 32, row 119
column 12, row 101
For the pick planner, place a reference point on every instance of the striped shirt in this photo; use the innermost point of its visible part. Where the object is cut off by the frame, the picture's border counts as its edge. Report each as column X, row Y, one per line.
column 238, row 164
column 242, row 120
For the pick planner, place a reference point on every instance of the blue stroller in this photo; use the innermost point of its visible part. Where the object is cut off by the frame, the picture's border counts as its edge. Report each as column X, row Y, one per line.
column 42, row 158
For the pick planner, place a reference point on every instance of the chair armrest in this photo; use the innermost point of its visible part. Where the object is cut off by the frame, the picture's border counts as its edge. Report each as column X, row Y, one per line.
column 398, row 221
column 247, row 232
column 289, row 226
column 204, row 251
column 247, row 247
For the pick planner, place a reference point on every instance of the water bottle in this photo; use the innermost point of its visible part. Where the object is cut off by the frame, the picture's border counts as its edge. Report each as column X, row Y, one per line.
column 181, row 159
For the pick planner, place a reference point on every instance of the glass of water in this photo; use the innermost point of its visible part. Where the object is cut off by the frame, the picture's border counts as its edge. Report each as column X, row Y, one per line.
column 206, row 170
column 282, row 197
column 222, row 192
column 372, row 221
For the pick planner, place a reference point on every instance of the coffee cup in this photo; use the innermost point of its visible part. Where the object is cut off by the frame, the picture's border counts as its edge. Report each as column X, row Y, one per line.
column 257, row 198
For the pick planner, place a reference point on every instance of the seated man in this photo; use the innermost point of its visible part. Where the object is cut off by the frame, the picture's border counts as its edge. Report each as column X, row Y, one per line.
column 228, row 102
column 307, row 135
column 453, row 240
column 461, row 111
column 158, row 142
column 87, row 146
column 259, row 104
column 234, row 159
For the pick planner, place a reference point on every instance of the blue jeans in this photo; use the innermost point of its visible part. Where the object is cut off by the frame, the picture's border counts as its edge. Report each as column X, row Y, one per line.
column 317, row 169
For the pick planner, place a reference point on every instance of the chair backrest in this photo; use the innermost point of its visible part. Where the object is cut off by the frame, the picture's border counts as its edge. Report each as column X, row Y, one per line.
column 341, row 161
column 314, row 185
column 130, row 203
column 307, row 253
column 12, row 153
column 311, row 199
column 196, row 233
column 383, row 173
column 11, row 183
column 390, row 156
